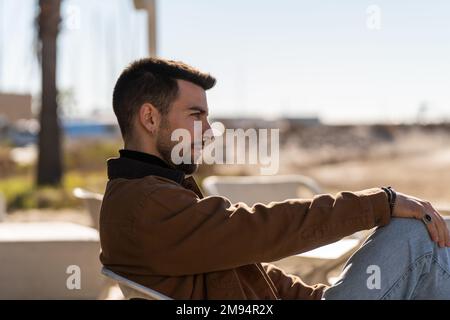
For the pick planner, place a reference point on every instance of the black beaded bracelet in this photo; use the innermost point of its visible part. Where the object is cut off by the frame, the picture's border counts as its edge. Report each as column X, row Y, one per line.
column 392, row 196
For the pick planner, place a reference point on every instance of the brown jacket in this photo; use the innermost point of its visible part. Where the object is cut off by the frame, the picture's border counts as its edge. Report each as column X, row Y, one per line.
column 158, row 230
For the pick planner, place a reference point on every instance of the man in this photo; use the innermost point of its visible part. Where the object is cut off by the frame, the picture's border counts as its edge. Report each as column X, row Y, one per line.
column 157, row 229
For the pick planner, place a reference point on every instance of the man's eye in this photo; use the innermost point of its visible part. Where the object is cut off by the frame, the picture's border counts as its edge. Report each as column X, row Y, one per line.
column 196, row 115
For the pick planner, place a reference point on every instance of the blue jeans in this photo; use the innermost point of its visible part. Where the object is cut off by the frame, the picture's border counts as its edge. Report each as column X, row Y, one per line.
column 397, row 261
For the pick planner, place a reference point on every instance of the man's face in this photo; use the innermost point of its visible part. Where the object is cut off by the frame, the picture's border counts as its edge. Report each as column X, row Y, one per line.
column 189, row 106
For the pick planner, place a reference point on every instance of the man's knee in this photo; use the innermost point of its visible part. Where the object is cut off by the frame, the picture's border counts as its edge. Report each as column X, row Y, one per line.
column 407, row 229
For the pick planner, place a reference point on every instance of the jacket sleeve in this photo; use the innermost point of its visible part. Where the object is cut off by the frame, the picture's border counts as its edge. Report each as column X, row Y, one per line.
column 291, row 287
column 181, row 234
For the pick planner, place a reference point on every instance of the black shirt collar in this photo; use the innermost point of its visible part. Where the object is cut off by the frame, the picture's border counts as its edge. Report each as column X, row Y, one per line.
column 135, row 165
column 144, row 157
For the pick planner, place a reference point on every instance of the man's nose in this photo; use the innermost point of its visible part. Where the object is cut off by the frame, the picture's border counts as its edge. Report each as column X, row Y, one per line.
column 206, row 126
column 208, row 135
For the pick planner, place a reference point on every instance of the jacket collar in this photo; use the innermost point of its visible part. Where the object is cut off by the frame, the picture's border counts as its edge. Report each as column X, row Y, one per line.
column 135, row 165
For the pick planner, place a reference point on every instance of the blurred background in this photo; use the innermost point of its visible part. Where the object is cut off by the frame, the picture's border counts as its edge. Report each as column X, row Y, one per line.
column 359, row 90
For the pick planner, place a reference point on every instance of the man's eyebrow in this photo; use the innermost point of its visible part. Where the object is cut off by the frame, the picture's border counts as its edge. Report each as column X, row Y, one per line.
column 199, row 109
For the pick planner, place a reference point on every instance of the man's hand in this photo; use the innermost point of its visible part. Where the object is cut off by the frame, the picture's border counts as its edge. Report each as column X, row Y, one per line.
column 411, row 207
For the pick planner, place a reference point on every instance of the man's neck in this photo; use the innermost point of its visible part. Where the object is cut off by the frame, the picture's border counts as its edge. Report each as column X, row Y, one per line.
column 142, row 148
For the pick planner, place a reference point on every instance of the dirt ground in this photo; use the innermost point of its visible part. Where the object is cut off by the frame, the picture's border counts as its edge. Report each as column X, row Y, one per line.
column 419, row 166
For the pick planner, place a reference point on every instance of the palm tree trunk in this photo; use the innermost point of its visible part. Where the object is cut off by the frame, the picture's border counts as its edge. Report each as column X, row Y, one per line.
column 49, row 169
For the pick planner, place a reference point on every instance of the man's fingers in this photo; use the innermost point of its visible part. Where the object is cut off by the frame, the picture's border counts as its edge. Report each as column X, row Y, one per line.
column 435, row 223
column 436, row 227
column 441, row 231
column 448, row 233
column 444, row 237
column 445, row 231
column 432, row 230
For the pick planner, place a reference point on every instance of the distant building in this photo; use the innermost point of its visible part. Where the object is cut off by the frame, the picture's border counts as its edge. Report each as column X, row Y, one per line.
column 14, row 107
column 262, row 123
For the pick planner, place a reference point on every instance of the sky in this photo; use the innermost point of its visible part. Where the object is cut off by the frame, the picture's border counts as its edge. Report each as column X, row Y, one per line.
column 343, row 61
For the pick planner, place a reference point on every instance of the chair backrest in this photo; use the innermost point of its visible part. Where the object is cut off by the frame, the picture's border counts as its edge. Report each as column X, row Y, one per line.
column 92, row 201
column 263, row 189
column 133, row 290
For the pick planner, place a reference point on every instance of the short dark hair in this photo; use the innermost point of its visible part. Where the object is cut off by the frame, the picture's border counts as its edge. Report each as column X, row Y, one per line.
column 152, row 80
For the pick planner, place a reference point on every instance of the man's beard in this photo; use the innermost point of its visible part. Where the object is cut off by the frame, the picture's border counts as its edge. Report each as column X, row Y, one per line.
column 164, row 146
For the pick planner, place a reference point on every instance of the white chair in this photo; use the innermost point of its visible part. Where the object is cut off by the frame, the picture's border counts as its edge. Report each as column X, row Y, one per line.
column 313, row 266
column 133, row 290
column 254, row 189
column 93, row 203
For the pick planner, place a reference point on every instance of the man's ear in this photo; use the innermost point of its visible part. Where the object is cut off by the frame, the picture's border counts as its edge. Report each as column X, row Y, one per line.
column 149, row 118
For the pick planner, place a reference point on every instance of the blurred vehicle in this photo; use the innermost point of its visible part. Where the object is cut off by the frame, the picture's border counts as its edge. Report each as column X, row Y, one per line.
column 25, row 132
